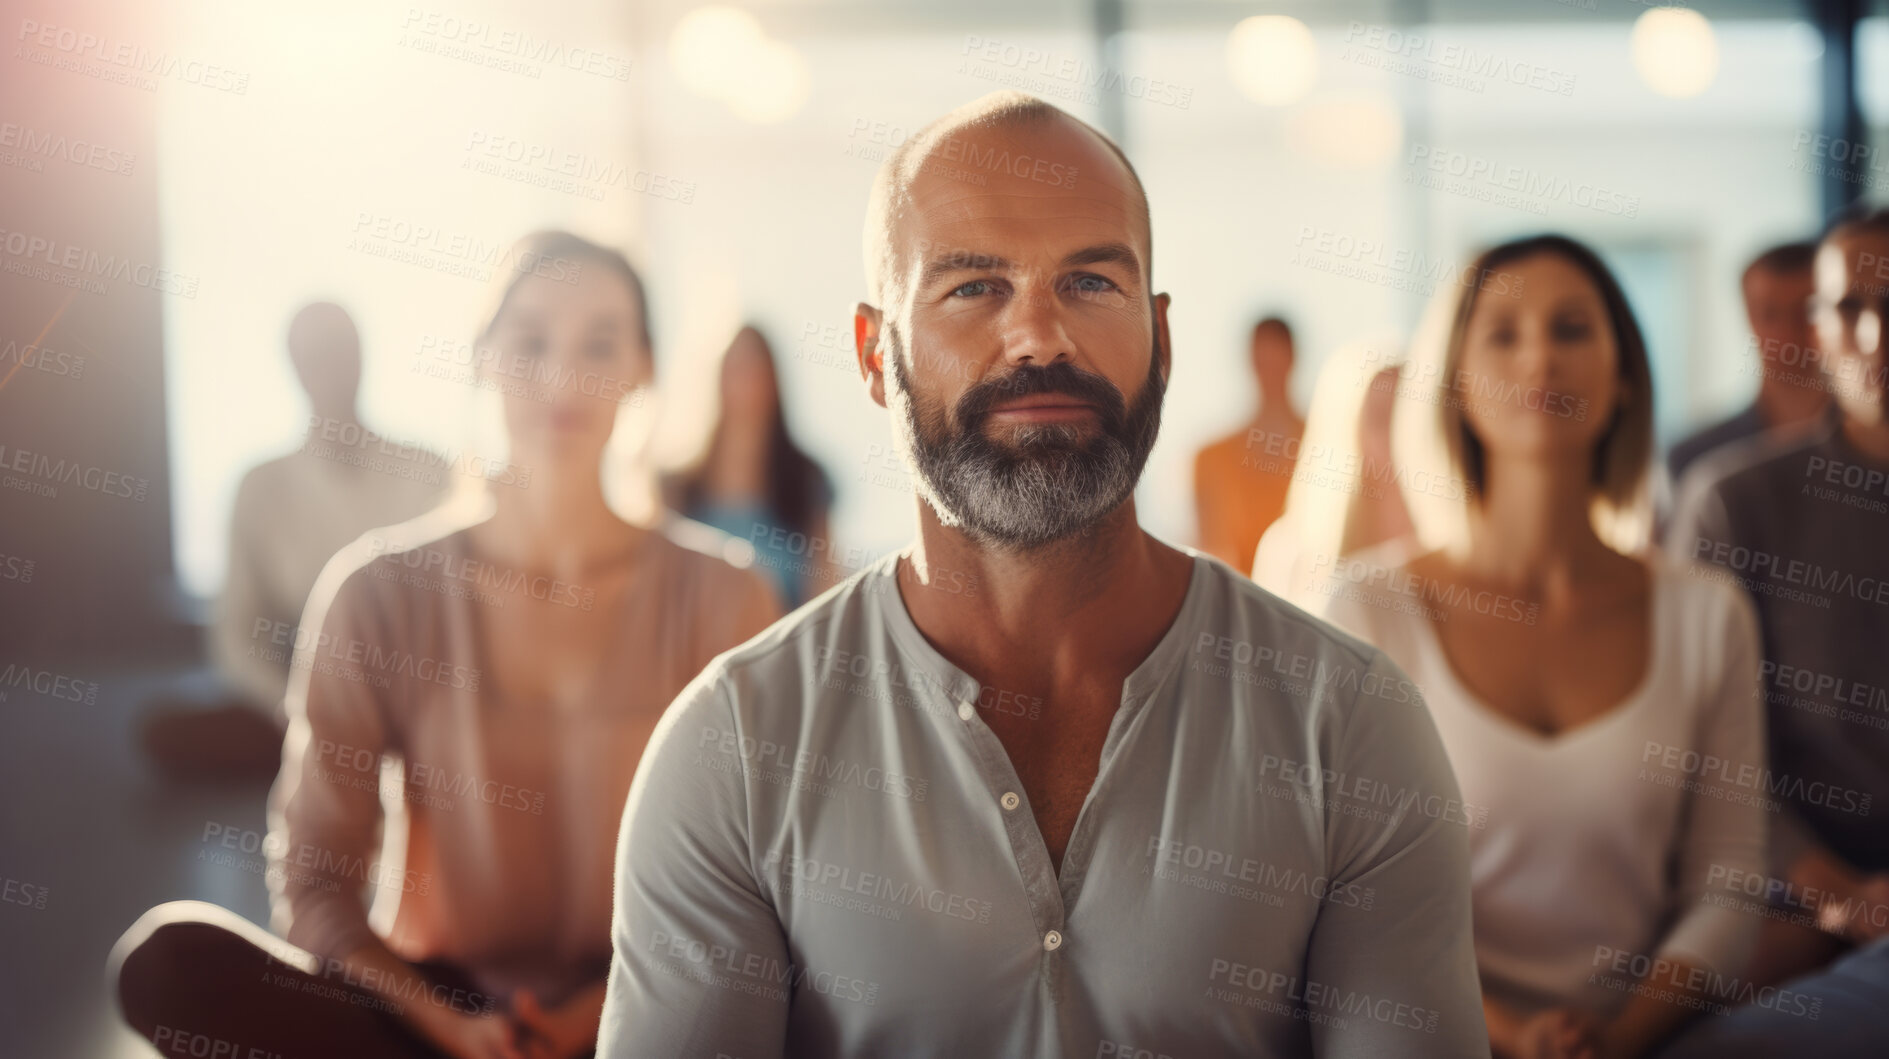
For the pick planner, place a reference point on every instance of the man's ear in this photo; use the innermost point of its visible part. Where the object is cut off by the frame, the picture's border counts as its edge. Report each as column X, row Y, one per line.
column 1161, row 341
column 866, row 346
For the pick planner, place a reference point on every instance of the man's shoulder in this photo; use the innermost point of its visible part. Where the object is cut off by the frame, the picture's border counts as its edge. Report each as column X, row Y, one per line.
column 1244, row 618
column 1754, row 469
column 783, row 662
column 1320, row 684
column 276, row 476
column 848, row 631
column 1730, row 430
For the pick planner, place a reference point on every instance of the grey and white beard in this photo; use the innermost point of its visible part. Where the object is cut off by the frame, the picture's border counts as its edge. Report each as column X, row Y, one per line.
column 1045, row 484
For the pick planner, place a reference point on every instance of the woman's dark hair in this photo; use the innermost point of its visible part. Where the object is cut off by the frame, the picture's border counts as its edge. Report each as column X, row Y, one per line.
column 1622, row 454
column 797, row 491
column 560, row 255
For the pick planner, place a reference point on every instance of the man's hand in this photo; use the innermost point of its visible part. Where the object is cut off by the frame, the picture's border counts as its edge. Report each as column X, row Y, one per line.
column 1559, row 1033
column 563, row 1032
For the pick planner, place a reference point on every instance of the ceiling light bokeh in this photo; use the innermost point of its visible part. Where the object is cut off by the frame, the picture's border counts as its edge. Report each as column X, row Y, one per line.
column 722, row 53
column 772, row 86
column 1273, row 59
column 1675, row 51
column 709, row 46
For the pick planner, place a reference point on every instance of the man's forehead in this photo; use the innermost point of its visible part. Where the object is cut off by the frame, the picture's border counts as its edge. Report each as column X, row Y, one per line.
column 1012, row 227
column 1029, row 183
column 1766, row 283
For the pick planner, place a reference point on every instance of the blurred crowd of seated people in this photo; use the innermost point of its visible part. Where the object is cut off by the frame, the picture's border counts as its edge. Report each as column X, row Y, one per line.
column 1660, row 681
column 1675, row 719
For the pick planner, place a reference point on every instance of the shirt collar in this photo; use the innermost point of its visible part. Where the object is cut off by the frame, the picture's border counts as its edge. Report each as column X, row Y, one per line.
column 963, row 687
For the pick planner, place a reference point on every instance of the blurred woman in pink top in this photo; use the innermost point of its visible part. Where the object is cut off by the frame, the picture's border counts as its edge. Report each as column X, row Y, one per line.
column 489, row 673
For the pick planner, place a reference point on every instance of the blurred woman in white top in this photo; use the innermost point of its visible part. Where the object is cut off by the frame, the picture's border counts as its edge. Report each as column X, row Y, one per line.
column 1343, row 497
column 1598, row 703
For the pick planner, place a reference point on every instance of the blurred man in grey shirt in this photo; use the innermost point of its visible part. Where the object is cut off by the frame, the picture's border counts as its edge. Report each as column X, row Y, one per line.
column 1040, row 784
column 1792, row 394
column 1803, row 526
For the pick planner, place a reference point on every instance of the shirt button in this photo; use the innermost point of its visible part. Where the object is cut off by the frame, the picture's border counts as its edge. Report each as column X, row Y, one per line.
column 1010, row 800
column 1052, row 941
column 966, row 711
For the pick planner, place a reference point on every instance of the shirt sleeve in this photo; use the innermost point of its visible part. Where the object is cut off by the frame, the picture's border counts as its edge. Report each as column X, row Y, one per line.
column 699, row 964
column 1703, row 529
column 1723, row 835
column 1395, row 969
column 234, row 641
column 755, row 607
column 325, row 811
column 1347, row 613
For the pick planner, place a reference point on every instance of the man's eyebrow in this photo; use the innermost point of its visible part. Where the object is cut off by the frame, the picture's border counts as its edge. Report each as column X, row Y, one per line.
column 969, row 261
column 1118, row 253
column 960, row 261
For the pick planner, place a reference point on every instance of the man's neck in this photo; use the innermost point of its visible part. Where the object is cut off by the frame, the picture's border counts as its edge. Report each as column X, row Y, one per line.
column 1275, row 410
column 1782, row 405
column 331, row 420
column 1086, row 606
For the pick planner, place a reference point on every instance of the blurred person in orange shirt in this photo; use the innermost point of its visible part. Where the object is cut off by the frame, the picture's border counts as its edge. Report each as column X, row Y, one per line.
column 1345, row 499
column 1240, row 480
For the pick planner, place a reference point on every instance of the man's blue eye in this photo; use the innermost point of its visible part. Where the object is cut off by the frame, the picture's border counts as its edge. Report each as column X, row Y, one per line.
column 972, row 289
column 1092, row 284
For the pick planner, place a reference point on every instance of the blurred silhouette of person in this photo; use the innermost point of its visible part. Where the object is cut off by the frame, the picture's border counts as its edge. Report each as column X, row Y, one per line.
column 504, row 663
column 754, row 482
column 1552, row 659
column 292, row 514
column 1344, row 498
column 1240, row 481
column 1792, row 395
column 1803, row 526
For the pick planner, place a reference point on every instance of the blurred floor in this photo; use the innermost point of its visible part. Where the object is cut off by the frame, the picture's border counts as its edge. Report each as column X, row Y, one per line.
column 83, row 817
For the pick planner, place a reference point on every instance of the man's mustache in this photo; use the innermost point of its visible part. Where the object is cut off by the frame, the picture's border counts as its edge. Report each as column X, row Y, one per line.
column 1029, row 380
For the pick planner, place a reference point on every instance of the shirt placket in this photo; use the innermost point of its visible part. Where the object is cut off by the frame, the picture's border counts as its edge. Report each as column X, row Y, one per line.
column 1049, row 898
column 1027, row 847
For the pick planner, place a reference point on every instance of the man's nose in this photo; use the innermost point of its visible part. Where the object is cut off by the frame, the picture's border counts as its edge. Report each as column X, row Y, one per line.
column 1034, row 330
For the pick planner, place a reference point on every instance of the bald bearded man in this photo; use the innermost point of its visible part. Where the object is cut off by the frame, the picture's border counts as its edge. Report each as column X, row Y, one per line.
column 1117, row 800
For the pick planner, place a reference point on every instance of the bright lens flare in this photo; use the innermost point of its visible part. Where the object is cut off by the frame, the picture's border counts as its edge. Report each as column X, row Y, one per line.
column 1273, row 59
column 1675, row 51
column 773, row 86
column 722, row 53
column 709, row 45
